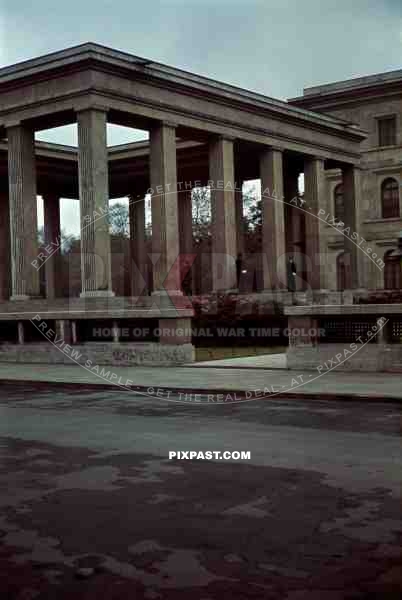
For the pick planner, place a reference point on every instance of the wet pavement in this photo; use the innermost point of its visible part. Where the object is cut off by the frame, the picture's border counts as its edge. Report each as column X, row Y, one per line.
column 92, row 507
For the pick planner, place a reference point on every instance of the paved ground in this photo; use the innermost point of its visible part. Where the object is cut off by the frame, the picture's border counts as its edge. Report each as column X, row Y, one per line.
column 86, row 483
column 263, row 361
column 213, row 379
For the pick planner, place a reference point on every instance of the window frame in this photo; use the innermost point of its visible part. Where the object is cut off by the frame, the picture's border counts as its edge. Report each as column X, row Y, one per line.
column 393, row 208
column 381, row 119
column 335, row 196
column 392, row 271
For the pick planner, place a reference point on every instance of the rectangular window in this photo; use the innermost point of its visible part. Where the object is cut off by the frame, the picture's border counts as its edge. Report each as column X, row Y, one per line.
column 387, row 131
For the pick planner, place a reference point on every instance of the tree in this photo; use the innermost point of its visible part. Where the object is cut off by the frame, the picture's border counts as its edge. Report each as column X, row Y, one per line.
column 252, row 210
column 119, row 220
column 201, row 208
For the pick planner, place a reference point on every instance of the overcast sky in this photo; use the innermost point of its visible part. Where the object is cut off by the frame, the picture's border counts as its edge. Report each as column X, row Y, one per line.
column 275, row 47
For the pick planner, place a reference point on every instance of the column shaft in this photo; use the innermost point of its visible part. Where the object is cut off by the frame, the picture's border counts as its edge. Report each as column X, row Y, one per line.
column 184, row 199
column 4, row 247
column 351, row 195
column 51, row 209
column 314, row 188
column 138, row 267
column 273, row 220
column 294, row 218
column 224, row 238
column 239, row 220
column 23, row 212
column 94, row 203
column 165, row 226
column 185, row 221
column 21, row 332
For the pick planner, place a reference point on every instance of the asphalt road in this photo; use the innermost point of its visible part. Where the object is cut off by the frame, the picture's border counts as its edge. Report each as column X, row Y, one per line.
column 92, row 507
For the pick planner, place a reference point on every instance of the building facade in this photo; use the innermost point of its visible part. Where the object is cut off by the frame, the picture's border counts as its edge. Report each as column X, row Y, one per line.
column 374, row 103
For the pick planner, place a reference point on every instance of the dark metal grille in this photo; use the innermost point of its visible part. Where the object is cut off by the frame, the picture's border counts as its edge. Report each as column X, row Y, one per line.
column 396, row 330
column 339, row 331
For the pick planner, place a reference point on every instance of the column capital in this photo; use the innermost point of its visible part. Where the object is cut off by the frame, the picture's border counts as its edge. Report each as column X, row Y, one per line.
column 164, row 123
column 266, row 149
column 9, row 123
column 136, row 198
column 224, row 137
column 354, row 166
column 314, row 157
column 88, row 107
column 51, row 196
column 276, row 149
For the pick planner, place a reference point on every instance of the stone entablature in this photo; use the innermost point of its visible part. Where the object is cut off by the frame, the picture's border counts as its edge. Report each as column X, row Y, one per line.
column 91, row 75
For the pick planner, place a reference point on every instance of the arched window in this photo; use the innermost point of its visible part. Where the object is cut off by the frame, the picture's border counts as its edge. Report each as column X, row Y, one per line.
column 390, row 198
column 339, row 207
column 343, row 271
column 392, row 270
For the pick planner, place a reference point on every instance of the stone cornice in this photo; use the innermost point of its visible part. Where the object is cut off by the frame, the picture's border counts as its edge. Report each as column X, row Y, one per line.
column 93, row 56
column 333, row 97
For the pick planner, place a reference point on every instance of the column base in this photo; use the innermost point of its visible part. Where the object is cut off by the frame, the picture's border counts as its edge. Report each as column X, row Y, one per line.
column 313, row 296
column 166, row 293
column 350, row 294
column 279, row 295
column 24, row 297
column 97, row 294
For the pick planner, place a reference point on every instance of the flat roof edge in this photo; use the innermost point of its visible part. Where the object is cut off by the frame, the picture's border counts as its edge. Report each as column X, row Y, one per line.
column 355, row 83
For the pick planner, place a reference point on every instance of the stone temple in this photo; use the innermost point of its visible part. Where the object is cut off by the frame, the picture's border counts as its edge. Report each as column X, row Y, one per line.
column 340, row 235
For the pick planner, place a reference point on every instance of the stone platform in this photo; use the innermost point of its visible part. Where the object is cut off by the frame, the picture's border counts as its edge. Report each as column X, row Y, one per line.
column 355, row 337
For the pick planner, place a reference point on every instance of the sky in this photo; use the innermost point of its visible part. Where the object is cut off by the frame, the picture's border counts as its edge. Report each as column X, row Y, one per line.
column 275, row 47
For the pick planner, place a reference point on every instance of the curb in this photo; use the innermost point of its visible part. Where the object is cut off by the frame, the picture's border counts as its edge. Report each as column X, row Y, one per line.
column 239, row 394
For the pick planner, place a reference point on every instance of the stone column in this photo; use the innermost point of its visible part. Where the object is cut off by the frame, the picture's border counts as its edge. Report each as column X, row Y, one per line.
column 383, row 331
column 94, row 203
column 184, row 200
column 185, row 221
column 51, row 210
column 63, row 330
column 314, row 190
column 351, row 196
column 239, row 219
column 273, row 220
column 224, row 237
column 115, row 328
column 294, row 218
column 138, row 257
column 23, row 212
column 293, row 213
column 165, row 222
column 73, row 332
column 21, row 332
column 4, row 247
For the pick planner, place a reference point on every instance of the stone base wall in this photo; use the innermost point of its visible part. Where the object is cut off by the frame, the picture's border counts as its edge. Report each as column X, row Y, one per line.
column 371, row 357
column 119, row 355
